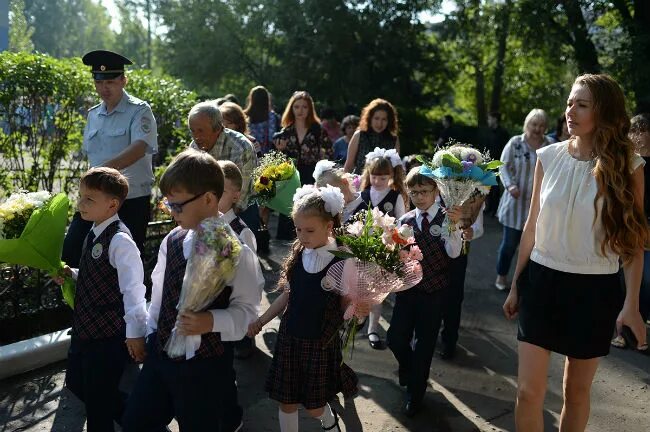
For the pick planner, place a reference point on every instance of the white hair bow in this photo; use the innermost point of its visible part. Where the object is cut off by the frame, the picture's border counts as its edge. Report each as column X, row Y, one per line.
column 391, row 154
column 333, row 197
column 303, row 192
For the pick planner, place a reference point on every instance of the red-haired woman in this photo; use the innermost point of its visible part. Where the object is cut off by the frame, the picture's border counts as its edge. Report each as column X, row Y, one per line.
column 586, row 216
column 302, row 137
column 378, row 128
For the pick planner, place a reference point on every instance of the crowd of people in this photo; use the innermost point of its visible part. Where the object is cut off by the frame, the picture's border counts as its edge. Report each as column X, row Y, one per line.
column 574, row 206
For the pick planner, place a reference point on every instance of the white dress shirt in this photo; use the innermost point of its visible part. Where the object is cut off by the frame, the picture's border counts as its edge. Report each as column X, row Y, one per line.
column 244, row 301
column 453, row 240
column 350, row 207
column 315, row 260
column 246, row 237
column 124, row 256
column 376, row 197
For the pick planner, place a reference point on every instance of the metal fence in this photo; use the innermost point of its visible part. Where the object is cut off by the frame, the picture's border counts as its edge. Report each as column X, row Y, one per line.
column 31, row 303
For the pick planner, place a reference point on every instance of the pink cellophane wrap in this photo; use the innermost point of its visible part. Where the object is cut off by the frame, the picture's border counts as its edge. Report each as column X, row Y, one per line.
column 366, row 283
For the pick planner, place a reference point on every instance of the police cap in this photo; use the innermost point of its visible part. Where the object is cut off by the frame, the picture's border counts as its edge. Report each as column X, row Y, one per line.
column 105, row 64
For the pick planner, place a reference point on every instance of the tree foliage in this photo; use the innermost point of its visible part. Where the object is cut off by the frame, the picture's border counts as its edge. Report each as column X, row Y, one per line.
column 20, row 33
column 43, row 106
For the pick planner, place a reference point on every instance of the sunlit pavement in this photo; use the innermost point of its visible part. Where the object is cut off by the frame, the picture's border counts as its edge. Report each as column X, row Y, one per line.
column 475, row 391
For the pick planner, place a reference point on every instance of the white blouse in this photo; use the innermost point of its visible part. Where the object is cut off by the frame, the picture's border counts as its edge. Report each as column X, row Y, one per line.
column 566, row 236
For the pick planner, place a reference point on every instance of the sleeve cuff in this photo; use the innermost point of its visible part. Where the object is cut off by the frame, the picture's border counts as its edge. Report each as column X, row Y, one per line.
column 222, row 322
column 135, row 330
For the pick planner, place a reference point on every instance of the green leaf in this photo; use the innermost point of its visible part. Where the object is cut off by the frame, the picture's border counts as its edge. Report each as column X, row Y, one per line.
column 342, row 254
column 491, row 165
column 452, row 162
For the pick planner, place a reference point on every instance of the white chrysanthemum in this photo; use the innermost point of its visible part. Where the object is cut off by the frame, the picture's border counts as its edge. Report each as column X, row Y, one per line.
column 437, row 158
column 470, row 154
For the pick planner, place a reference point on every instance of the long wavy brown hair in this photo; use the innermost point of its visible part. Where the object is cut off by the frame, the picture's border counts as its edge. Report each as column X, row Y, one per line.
column 288, row 118
column 622, row 215
column 379, row 105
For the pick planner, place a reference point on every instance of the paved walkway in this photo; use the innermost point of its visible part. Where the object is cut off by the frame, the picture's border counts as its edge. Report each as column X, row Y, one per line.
column 475, row 392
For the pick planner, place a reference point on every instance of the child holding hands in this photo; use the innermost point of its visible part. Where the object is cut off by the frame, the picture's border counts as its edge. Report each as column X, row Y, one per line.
column 307, row 367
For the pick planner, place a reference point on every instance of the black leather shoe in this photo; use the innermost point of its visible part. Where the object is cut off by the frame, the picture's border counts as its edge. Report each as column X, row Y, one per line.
column 411, row 408
column 447, row 354
column 378, row 344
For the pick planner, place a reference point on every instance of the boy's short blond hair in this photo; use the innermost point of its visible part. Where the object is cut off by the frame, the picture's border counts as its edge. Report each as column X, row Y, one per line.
column 107, row 180
column 193, row 171
column 232, row 172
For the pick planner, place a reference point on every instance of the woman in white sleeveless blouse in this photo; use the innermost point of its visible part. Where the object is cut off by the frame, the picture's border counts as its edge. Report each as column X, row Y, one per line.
column 586, row 214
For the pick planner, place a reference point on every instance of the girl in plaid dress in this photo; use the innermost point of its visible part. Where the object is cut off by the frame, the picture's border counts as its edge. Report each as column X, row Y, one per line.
column 307, row 367
column 382, row 186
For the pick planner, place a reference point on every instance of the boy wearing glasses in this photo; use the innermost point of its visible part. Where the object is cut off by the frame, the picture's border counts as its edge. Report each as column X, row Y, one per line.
column 198, row 392
column 419, row 309
column 109, row 318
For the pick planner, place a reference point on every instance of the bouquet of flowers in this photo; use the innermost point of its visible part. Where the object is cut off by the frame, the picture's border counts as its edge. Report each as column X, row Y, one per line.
column 32, row 229
column 459, row 170
column 275, row 180
column 379, row 258
column 210, row 267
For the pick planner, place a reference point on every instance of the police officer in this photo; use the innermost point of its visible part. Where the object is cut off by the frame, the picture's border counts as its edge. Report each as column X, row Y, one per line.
column 120, row 133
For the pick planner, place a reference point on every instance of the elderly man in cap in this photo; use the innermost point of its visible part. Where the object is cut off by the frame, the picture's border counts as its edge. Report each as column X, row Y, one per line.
column 120, row 133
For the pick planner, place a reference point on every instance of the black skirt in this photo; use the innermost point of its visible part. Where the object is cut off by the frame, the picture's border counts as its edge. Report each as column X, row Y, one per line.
column 568, row 313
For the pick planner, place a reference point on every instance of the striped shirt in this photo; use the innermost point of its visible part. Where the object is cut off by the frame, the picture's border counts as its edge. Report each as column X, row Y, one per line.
column 518, row 170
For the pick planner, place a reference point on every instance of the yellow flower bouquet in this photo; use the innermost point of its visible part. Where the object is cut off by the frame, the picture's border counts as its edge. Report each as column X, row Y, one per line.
column 275, row 180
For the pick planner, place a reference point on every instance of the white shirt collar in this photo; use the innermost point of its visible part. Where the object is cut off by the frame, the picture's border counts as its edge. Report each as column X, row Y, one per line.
column 229, row 216
column 431, row 211
column 323, row 251
column 98, row 229
column 377, row 196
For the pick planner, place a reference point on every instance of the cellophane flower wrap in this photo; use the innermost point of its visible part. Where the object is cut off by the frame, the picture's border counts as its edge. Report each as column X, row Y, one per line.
column 32, row 229
column 210, row 267
column 378, row 258
column 275, row 181
column 460, row 170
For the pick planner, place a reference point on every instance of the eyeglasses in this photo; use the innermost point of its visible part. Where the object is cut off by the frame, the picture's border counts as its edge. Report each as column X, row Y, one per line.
column 178, row 207
column 415, row 194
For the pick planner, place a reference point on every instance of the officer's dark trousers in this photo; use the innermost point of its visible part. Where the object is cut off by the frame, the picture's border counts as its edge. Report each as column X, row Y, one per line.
column 192, row 391
column 419, row 312
column 95, row 368
column 452, row 303
column 135, row 213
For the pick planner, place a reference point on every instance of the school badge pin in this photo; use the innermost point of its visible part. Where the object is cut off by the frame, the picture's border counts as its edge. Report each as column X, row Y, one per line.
column 97, row 250
column 388, row 206
column 327, row 283
column 435, row 230
column 102, row 68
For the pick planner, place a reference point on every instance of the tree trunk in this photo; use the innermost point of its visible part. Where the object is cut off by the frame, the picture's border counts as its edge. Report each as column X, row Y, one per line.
column 641, row 55
column 585, row 51
column 481, row 112
column 497, row 84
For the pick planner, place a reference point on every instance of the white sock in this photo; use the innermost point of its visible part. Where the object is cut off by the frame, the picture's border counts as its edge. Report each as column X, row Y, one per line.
column 327, row 419
column 288, row 421
column 373, row 321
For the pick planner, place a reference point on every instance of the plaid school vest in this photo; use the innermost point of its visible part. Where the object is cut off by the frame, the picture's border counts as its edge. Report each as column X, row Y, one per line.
column 211, row 345
column 238, row 225
column 99, row 307
column 435, row 265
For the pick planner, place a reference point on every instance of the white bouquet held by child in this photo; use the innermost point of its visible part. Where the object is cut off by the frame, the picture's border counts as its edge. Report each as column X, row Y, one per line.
column 459, row 170
column 211, row 266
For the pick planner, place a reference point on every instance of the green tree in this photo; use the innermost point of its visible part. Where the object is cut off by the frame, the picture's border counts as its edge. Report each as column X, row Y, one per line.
column 69, row 28
column 20, row 33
